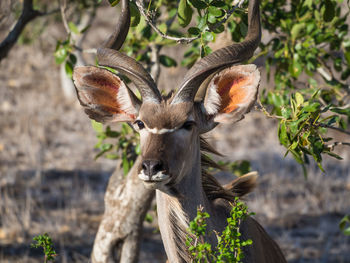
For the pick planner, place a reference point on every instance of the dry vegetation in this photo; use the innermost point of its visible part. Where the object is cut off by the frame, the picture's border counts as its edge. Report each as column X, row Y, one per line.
column 49, row 181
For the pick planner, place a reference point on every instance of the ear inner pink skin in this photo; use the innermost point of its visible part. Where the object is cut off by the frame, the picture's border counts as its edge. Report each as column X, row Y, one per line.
column 99, row 87
column 102, row 91
column 231, row 91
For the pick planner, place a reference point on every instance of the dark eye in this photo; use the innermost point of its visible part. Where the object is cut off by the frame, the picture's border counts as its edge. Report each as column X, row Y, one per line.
column 188, row 125
column 140, row 124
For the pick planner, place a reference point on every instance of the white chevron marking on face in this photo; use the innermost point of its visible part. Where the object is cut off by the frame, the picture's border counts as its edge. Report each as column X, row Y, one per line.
column 161, row 131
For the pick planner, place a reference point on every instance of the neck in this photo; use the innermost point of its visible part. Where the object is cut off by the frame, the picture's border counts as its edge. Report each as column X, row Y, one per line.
column 176, row 210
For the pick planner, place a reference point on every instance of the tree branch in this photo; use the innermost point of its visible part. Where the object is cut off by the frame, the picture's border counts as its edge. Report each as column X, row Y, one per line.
column 63, row 8
column 331, row 146
column 27, row 15
column 186, row 40
column 333, row 128
column 264, row 110
column 149, row 21
column 227, row 16
column 155, row 64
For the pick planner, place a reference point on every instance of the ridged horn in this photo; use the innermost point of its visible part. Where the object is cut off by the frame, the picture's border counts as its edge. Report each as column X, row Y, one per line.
column 108, row 55
column 222, row 58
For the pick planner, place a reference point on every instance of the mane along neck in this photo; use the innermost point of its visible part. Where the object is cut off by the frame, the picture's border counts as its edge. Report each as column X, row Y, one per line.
column 175, row 211
column 199, row 188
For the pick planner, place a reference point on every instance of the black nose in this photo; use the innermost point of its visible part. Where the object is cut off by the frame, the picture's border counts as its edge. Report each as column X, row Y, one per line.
column 152, row 167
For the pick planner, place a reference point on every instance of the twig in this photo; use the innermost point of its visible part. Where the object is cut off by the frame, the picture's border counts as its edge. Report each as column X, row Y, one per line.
column 155, row 28
column 227, row 16
column 28, row 14
column 63, row 8
column 331, row 146
column 155, row 65
column 333, row 128
column 87, row 51
column 186, row 40
column 263, row 110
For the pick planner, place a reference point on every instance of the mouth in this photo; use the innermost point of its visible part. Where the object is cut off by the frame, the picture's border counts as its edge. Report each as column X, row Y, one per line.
column 158, row 178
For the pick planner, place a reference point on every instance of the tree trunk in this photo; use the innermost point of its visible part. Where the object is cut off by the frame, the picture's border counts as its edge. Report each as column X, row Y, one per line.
column 126, row 204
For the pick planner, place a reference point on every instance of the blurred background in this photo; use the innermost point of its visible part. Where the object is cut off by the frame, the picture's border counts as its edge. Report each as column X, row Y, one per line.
column 50, row 182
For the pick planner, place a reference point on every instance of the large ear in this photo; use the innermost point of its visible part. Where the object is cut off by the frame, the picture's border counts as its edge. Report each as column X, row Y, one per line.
column 104, row 96
column 231, row 93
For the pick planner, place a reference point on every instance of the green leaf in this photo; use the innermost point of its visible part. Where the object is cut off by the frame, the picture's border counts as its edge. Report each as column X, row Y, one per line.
column 113, row 2
column 184, row 13
column 148, row 218
column 69, row 69
column 312, row 107
column 73, row 59
column 125, row 164
column 212, row 19
column 60, row 55
column 73, row 28
column 344, row 225
column 167, row 61
column 345, row 111
column 104, row 148
column 294, row 145
column 205, row 51
column 219, row 29
column 138, row 149
column 214, row 11
column 336, row 156
column 347, row 57
column 112, row 134
column 296, row 30
column 135, row 16
column 308, row 3
column 194, row 31
column 282, row 134
column 199, row 4
column 329, row 12
column 208, row 36
column 98, row 127
column 299, row 99
column 345, row 74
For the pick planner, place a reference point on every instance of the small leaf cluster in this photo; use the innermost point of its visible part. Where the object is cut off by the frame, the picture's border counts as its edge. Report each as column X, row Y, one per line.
column 64, row 51
column 125, row 146
column 45, row 242
column 307, row 38
column 210, row 17
column 310, row 54
column 344, row 225
column 229, row 242
column 170, row 17
column 302, row 126
column 229, row 247
column 141, row 39
column 200, row 250
column 64, row 54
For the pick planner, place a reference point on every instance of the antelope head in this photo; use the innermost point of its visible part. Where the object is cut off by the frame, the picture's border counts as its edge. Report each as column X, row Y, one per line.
column 215, row 90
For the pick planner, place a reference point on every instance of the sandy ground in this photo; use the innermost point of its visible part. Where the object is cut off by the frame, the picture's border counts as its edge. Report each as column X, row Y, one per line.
column 49, row 181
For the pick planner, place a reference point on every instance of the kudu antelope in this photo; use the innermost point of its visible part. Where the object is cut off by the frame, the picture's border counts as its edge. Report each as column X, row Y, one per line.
column 214, row 91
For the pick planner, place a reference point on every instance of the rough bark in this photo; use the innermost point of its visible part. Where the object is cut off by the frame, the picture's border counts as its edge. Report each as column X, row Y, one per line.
column 28, row 14
column 126, row 204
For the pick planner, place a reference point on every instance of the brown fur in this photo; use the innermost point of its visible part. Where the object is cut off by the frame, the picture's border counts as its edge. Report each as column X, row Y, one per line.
column 165, row 115
column 212, row 188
